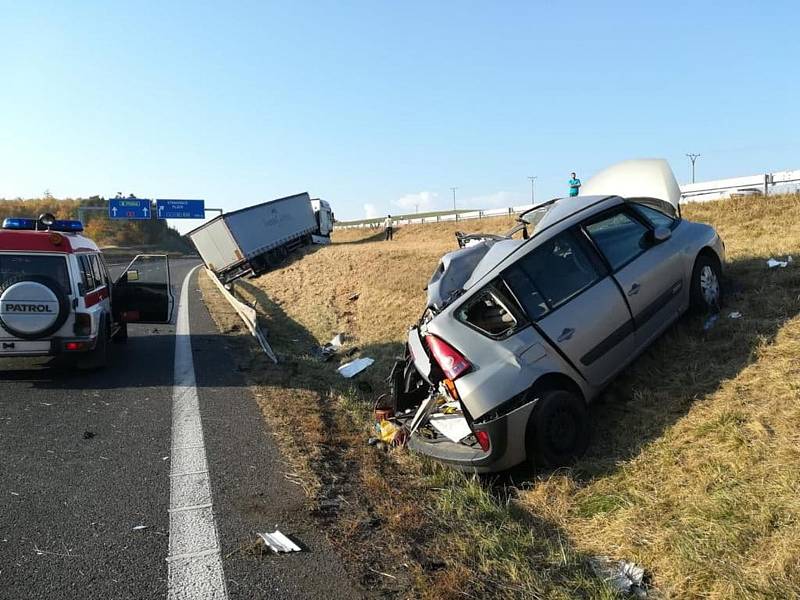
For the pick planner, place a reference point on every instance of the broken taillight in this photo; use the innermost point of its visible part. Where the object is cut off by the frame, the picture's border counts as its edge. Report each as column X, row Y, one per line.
column 451, row 361
column 483, row 440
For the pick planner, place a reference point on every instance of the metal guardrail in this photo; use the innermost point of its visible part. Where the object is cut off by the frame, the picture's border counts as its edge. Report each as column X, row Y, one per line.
column 248, row 314
column 690, row 192
column 441, row 218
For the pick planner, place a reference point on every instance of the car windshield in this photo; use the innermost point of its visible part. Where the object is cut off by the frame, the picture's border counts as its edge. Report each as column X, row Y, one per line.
column 25, row 265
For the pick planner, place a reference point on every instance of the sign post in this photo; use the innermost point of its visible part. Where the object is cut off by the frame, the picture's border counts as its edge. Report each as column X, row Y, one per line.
column 129, row 208
column 180, row 209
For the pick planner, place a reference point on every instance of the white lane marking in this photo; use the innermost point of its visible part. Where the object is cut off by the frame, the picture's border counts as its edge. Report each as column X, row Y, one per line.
column 194, row 562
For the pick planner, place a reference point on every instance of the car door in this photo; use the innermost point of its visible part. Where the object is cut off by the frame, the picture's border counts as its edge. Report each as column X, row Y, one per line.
column 567, row 292
column 649, row 272
column 143, row 293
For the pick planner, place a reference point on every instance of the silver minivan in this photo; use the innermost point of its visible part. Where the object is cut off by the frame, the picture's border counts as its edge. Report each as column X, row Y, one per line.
column 519, row 335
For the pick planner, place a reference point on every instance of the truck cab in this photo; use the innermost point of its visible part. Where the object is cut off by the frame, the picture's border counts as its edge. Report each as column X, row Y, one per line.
column 57, row 296
column 324, row 216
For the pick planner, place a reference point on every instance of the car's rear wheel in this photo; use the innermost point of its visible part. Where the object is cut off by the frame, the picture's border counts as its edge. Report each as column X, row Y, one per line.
column 706, row 290
column 558, row 431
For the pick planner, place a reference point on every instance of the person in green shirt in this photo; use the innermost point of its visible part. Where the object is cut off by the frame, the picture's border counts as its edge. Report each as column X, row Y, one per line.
column 574, row 185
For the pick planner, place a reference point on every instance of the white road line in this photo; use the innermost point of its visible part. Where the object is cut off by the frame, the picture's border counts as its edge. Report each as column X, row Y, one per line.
column 194, row 561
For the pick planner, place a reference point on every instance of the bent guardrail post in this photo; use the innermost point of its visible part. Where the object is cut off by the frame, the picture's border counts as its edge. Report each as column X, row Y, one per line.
column 248, row 314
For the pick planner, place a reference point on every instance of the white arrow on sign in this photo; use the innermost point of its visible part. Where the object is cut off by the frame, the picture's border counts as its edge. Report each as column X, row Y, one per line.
column 114, row 211
column 144, row 210
column 160, row 210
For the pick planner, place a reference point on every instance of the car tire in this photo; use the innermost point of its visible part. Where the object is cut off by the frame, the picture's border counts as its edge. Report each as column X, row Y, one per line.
column 122, row 334
column 558, row 430
column 98, row 357
column 706, row 287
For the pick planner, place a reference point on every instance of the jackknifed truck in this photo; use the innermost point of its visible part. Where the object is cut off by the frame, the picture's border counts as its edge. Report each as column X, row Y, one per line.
column 252, row 240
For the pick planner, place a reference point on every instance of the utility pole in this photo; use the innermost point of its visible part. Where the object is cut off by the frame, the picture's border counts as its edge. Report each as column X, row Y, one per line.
column 693, row 158
column 533, row 180
column 454, row 196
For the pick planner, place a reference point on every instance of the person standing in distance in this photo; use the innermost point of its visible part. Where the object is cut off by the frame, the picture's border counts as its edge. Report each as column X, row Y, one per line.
column 574, row 186
column 388, row 227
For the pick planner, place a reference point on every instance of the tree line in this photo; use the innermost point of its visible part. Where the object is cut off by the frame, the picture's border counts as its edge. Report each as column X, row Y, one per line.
column 97, row 225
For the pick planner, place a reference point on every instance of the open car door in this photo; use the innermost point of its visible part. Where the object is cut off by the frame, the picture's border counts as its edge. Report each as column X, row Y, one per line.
column 143, row 293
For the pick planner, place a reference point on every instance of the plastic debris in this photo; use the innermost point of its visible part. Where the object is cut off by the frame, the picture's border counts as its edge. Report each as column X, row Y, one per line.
column 772, row 263
column 328, row 350
column 710, row 322
column 387, row 431
column 354, row 367
column 138, row 527
column 625, row 577
column 735, row 315
column 278, row 542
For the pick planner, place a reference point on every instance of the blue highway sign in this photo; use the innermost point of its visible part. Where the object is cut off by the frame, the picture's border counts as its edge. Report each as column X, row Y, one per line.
column 129, row 208
column 181, row 209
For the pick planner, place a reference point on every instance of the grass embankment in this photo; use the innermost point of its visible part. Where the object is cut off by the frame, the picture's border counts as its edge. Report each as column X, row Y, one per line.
column 693, row 468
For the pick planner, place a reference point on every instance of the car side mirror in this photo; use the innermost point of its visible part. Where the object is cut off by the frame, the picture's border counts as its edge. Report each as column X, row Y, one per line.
column 661, row 234
column 132, row 275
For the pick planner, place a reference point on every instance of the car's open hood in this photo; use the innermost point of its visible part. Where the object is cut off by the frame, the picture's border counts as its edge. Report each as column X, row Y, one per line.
column 640, row 178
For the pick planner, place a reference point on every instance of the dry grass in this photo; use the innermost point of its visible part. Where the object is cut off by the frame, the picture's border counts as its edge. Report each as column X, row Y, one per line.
column 693, row 470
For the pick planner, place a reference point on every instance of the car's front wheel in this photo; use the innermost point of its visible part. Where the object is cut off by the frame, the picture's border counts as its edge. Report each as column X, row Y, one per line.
column 558, row 432
column 706, row 291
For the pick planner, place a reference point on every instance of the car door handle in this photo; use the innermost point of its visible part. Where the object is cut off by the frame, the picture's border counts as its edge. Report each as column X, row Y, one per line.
column 634, row 289
column 566, row 334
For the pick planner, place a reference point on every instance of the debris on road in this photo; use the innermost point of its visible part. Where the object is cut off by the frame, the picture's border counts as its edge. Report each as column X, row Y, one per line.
column 354, row 367
column 772, row 263
column 278, row 542
column 87, row 435
column 735, row 315
column 138, row 527
column 625, row 577
column 353, row 297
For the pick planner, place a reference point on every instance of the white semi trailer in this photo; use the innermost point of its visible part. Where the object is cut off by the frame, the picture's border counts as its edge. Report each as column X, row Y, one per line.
column 252, row 240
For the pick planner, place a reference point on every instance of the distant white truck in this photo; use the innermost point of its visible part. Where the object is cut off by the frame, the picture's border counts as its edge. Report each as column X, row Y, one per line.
column 253, row 240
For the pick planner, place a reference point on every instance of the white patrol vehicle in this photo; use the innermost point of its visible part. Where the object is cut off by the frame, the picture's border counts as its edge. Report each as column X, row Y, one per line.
column 57, row 297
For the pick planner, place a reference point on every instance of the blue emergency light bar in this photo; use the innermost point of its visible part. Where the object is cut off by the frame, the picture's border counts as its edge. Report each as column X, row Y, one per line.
column 32, row 225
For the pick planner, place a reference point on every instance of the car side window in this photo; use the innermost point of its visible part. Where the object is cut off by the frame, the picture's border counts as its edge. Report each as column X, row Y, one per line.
column 553, row 273
column 488, row 312
column 97, row 271
column 619, row 236
column 87, row 275
column 656, row 217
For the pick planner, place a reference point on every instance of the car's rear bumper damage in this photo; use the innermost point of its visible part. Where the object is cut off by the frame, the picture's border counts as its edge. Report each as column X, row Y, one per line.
column 444, row 430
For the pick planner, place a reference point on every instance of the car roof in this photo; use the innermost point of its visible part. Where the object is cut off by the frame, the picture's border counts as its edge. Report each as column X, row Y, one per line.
column 41, row 241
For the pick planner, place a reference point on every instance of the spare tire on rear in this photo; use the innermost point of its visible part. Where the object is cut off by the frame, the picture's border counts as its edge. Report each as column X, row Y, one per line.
column 32, row 306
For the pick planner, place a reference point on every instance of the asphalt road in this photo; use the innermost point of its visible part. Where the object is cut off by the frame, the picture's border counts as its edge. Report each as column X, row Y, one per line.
column 85, row 476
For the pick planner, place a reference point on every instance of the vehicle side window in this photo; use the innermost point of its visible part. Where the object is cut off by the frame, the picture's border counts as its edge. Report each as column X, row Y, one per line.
column 489, row 313
column 556, row 271
column 656, row 217
column 620, row 237
column 87, row 275
column 97, row 271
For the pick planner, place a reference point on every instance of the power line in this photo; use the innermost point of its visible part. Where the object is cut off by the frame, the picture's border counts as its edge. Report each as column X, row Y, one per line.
column 693, row 158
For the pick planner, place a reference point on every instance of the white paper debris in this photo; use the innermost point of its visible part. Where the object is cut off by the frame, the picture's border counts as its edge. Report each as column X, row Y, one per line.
column 138, row 527
column 354, row 367
column 337, row 341
column 772, row 263
column 625, row 577
column 735, row 315
column 278, row 542
column 453, row 427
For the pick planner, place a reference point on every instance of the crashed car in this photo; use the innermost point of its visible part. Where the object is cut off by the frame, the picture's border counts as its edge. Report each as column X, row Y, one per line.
column 519, row 335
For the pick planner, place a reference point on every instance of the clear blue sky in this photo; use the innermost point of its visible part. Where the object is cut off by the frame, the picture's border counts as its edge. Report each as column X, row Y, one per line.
column 386, row 104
